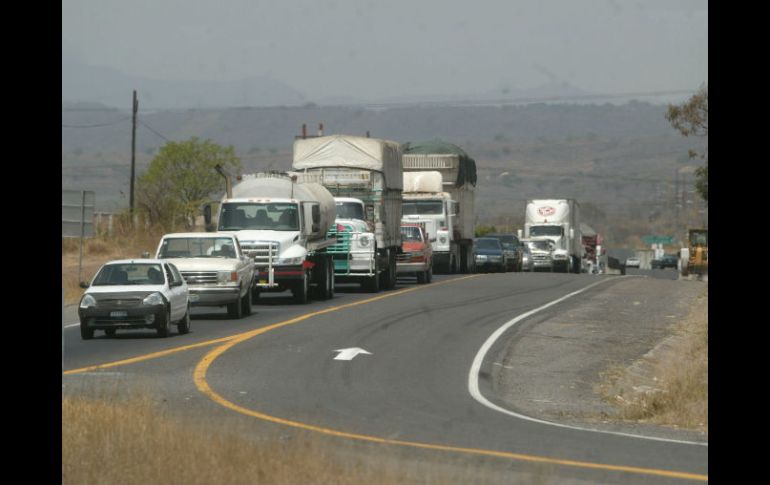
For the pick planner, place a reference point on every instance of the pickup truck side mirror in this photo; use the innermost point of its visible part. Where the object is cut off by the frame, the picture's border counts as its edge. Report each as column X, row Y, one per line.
column 175, row 283
column 83, row 284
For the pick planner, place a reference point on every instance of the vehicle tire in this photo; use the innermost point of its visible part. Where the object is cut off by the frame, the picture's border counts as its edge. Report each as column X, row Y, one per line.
column 85, row 332
column 110, row 332
column 422, row 277
column 183, row 326
column 372, row 283
column 235, row 309
column 164, row 324
column 246, row 304
column 330, row 275
column 301, row 290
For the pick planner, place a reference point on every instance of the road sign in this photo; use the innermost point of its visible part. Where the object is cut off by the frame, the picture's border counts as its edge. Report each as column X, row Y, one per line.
column 658, row 239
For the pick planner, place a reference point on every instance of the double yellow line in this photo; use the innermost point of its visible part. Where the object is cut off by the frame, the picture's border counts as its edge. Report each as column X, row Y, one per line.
column 201, row 369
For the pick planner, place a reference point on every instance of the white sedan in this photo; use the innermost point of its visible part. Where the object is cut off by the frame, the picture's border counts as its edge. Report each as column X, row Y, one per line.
column 137, row 293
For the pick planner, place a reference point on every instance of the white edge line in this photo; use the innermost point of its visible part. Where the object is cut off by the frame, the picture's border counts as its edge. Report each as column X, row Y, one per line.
column 473, row 377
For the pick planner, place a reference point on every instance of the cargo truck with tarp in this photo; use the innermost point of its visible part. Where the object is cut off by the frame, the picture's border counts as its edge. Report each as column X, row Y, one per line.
column 367, row 169
column 453, row 248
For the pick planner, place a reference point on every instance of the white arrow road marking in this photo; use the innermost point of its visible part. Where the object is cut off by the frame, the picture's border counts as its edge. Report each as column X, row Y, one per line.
column 349, row 354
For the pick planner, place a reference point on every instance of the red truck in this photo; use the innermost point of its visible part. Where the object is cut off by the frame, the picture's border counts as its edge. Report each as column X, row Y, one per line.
column 416, row 257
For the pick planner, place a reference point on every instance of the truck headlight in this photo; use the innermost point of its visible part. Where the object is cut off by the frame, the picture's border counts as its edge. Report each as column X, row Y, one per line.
column 153, row 299
column 226, row 276
column 363, row 240
column 87, row 301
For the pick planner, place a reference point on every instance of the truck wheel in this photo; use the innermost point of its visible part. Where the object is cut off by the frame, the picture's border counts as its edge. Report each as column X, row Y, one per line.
column 422, row 277
column 246, row 303
column 235, row 309
column 301, row 290
column 330, row 272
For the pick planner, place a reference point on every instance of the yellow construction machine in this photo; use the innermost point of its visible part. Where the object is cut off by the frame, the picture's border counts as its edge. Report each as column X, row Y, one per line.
column 694, row 258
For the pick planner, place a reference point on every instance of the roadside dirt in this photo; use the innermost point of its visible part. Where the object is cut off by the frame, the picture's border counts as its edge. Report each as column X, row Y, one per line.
column 554, row 367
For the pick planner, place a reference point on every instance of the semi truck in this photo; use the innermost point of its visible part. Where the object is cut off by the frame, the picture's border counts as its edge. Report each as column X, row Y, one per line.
column 367, row 169
column 283, row 226
column 559, row 221
column 453, row 248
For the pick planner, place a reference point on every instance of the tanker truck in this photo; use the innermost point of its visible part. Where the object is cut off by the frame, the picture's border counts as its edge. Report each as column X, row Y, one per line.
column 283, row 226
column 453, row 248
column 367, row 169
column 559, row 221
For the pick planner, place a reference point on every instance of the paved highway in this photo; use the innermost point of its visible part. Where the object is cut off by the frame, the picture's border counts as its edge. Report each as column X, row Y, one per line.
column 395, row 368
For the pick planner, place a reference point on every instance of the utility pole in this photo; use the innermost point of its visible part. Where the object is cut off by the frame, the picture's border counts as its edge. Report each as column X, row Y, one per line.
column 135, row 108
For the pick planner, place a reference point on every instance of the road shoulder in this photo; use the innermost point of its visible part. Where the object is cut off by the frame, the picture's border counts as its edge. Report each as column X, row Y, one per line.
column 551, row 368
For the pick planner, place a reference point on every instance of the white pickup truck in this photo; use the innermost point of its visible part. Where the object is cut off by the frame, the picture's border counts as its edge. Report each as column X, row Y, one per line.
column 215, row 268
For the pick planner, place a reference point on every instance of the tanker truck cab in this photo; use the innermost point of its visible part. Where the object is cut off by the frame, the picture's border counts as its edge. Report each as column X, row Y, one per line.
column 278, row 233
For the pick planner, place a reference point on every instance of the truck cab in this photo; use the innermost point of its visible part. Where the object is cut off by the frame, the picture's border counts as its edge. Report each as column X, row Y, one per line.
column 438, row 213
column 354, row 253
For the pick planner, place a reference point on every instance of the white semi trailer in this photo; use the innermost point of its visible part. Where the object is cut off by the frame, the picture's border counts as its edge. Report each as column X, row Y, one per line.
column 559, row 221
column 453, row 249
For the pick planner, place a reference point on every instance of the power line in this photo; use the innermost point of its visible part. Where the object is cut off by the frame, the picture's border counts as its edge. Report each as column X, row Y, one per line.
column 152, row 130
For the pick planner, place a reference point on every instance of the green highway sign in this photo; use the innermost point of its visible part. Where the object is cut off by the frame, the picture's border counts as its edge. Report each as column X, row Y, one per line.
column 658, row 239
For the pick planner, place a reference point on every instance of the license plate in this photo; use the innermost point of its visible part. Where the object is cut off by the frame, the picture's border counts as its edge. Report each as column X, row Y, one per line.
column 194, row 298
column 119, row 314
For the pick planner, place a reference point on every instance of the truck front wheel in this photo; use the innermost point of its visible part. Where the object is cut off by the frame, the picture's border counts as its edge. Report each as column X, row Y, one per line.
column 301, row 290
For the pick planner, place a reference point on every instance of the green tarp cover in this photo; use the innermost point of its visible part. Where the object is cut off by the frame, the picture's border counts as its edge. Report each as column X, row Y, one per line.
column 467, row 169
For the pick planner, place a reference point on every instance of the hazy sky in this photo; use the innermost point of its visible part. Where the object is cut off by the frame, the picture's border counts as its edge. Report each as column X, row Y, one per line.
column 326, row 48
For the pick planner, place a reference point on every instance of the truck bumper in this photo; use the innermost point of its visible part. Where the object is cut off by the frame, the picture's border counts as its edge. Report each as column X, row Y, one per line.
column 202, row 296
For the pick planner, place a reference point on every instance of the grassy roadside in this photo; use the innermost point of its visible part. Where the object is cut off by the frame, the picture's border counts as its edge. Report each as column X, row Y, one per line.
column 118, row 440
column 669, row 385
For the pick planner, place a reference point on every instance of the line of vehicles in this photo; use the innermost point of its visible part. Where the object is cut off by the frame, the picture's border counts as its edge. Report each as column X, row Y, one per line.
column 352, row 209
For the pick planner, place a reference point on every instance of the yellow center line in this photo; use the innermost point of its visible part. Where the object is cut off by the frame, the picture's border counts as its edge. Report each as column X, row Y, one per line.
column 251, row 333
column 199, row 377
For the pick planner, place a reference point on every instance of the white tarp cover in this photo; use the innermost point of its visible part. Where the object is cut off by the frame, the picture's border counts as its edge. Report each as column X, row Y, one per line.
column 347, row 151
column 429, row 181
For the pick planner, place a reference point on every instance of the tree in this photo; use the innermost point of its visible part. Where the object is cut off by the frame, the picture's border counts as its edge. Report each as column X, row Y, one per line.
column 692, row 118
column 181, row 178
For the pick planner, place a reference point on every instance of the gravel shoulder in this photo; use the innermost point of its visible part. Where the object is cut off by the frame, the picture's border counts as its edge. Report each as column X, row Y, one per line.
column 551, row 367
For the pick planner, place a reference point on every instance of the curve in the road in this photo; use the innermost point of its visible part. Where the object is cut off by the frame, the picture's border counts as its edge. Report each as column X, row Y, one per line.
column 201, row 369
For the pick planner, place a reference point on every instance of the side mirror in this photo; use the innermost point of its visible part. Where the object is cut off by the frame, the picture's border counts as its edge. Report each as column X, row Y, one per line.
column 175, row 283
column 207, row 214
column 83, row 284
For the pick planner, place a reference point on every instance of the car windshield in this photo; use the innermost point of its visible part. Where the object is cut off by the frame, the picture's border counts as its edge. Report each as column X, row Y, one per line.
column 197, row 247
column 410, row 234
column 119, row 274
column 350, row 210
column 536, row 231
column 424, row 207
column 488, row 243
column 256, row 216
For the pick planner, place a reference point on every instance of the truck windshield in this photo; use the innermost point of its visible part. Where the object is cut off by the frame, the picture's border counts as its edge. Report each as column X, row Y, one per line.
column 350, row 210
column 487, row 243
column 535, row 231
column 422, row 207
column 259, row 216
column 197, row 247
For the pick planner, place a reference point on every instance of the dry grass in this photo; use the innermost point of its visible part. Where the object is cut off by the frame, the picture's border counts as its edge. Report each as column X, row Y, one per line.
column 670, row 385
column 132, row 440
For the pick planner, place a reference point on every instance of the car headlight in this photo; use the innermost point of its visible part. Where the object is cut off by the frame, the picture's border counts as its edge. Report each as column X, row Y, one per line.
column 87, row 301
column 290, row 261
column 225, row 276
column 153, row 299
column 364, row 240
column 481, row 257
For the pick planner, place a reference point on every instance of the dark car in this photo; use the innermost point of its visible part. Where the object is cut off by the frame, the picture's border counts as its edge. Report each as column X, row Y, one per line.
column 512, row 250
column 488, row 254
column 667, row 261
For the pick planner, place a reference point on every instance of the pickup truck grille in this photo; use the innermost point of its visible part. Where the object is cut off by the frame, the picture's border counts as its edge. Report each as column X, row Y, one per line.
column 198, row 277
column 261, row 251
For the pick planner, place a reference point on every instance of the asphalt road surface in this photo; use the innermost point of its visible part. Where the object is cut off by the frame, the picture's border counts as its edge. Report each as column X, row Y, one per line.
column 396, row 368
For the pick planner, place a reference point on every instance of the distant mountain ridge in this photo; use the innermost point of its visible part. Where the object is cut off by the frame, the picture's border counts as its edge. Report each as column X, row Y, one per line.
column 97, row 84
